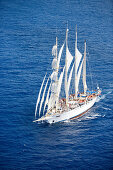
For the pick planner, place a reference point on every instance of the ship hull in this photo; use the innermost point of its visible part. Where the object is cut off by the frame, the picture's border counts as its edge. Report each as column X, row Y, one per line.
column 71, row 114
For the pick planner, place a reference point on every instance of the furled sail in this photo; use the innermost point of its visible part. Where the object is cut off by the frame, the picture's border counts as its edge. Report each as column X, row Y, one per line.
column 43, row 96
column 52, row 101
column 53, row 95
column 54, row 75
column 54, row 87
column 52, row 98
column 38, row 99
column 70, row 76
column 54, row 63
column 60, row 53
column 54, row 50
column 69, row 58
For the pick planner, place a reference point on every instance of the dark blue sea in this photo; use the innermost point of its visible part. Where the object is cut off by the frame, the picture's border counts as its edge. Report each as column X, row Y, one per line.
column 28, row 29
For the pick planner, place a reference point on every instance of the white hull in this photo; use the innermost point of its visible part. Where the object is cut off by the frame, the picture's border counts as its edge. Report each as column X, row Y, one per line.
column 71, row 114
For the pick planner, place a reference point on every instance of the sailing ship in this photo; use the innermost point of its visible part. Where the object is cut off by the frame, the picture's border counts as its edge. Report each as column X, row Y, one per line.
column 56, row 109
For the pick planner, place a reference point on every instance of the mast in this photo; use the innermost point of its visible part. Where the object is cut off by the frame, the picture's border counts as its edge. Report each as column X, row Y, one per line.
column 56, row 47
column 56, row 77
column 76, row 65
column 66, row 84
column 84, row 69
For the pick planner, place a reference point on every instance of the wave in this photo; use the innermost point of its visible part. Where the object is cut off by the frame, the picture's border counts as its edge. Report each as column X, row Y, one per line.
column 67, row 121
column 103, row 96
column 98, row 99
column 106, row 108
column 93, row 116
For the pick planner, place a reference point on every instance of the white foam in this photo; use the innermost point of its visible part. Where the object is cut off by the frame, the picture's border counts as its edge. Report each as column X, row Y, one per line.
column 93, row 116
column 67, row 121
column 98, row 99
column 104, row 95
column 106, row 108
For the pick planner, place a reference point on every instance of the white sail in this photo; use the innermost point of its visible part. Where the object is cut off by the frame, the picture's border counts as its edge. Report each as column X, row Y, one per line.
column 38, row 99
column 59, row 87
column 70, row 76
column 52, row 101
column 60, row 53
column 53, row 88
column 54, row 76
column 79, row 74
column 47, row 98
column 54, row 63
column 60, row 82
column 53, row 96
column 79, row 56
column 54, row 49
column 43, row 96
column 69, row 58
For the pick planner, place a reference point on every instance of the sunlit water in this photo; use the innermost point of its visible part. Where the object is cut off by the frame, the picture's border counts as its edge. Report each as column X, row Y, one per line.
column 27, row 34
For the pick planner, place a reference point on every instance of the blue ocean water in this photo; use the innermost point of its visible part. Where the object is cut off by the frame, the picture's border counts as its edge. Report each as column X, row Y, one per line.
column 27, row 34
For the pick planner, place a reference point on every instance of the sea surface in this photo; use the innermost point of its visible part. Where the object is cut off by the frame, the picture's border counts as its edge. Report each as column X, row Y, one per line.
column 28, row 30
